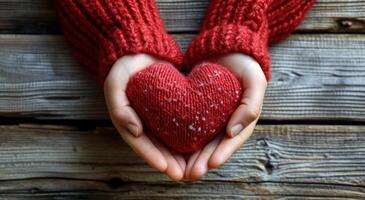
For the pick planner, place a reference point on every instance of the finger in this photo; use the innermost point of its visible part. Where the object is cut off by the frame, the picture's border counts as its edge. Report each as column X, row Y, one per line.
column 181, row 160
column 200, row 167
column 228, row 146
column 143, row 147
column 128, row 118
column 251, row 103
column 174, row 170
column 115, row 86
column 118, row 103
column 190, row 164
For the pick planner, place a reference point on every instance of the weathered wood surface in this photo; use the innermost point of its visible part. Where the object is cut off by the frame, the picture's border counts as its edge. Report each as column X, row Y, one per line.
column 316, row 76
column 39, row 189
column 279, row 160
column 38, row 16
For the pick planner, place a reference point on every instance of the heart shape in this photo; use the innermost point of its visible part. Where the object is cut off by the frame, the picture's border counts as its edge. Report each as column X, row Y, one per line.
column 185, row 113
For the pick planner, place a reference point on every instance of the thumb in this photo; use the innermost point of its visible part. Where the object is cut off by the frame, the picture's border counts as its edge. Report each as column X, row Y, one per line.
column 247, row 112
column 254, row 84
column 115, row 87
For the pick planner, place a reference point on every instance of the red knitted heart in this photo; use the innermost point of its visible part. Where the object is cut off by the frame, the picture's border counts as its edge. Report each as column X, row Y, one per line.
column 185, row 113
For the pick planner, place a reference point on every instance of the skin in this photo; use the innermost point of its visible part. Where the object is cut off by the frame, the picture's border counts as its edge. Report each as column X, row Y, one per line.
column 217, row 152
column 239, row 128
column 124, row 117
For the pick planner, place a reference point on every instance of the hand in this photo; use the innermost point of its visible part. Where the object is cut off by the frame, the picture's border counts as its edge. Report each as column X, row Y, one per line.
column 127, row 122
column 241, row 124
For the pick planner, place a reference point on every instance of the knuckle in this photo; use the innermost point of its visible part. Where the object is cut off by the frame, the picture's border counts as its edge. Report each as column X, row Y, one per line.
column 252, row 113
column 118, row 114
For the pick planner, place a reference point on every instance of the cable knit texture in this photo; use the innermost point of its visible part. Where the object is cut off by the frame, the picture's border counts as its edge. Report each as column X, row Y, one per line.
column 184, row 112
column 245, row 26
column 101, row 31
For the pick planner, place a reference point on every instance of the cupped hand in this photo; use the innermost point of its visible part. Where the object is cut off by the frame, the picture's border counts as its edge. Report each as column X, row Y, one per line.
column 242, row 122
column 127, row 122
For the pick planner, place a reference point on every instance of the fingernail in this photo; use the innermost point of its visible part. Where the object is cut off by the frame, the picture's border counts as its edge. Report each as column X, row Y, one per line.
column 236, row 129
column 133, row 129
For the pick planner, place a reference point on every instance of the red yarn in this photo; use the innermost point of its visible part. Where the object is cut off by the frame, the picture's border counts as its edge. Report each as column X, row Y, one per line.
column 245, row 26
column 184, row 112
column 101, row 31
column 284, row 16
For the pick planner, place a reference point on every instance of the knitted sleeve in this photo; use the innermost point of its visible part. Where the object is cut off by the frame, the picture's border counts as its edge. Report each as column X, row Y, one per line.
column 245, row 26
column 101, row 31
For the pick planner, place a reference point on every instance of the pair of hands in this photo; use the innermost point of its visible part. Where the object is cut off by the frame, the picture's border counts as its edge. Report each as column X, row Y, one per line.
column 239, row 128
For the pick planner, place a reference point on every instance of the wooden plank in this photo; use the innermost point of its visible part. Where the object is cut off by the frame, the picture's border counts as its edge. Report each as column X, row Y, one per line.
column 314, row 77
column 88, row 189
column 38, row 16
column 279, row 160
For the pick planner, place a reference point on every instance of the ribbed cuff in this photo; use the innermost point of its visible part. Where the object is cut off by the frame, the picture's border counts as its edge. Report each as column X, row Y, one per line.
column 286, row 15
column 102, row 31
column 222, row 40
column 137, row 39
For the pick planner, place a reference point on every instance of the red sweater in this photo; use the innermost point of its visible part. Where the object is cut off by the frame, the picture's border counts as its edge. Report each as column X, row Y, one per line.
column 101, row 31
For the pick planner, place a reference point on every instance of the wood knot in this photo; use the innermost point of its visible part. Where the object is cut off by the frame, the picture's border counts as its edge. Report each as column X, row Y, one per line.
column 115, row 182
column 346, row 23
column 262, row 142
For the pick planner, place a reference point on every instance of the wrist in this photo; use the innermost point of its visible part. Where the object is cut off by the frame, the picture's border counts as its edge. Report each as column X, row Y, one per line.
column 128, row 65
column 242, row 65
column 139, row 60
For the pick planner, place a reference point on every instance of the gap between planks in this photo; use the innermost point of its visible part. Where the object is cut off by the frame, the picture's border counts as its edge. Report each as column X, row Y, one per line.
column 278, row 160
column 315, row 77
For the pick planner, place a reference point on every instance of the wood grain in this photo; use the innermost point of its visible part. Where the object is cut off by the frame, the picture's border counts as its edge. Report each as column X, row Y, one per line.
column 316, row 76
column 38, row 16
column 279, row 160
column 89, row 189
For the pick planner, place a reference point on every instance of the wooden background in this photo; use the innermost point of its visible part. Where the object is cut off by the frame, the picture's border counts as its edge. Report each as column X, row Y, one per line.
column 310, row 141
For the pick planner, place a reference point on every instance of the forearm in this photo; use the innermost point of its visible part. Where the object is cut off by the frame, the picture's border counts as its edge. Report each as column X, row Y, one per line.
column 100, row 32
column 233, row 26
column 247, row 27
